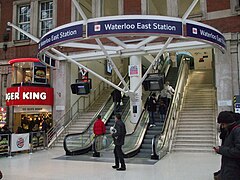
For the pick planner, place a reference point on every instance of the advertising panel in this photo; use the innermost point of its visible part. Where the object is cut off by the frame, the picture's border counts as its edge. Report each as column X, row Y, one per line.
column 39, row 74
column 20, row 142
column 133, row 70
column 27, row 95
column 4, row 139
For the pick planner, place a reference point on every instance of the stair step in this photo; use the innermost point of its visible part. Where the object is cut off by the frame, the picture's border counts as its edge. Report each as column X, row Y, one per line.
column 192, row 150
column 195, row 130
column 191, row 141
column 147, row 146
column 194, row 136
column 200, row 146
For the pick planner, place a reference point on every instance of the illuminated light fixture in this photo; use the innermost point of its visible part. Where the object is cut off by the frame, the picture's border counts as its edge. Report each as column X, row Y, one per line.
column 2, row 123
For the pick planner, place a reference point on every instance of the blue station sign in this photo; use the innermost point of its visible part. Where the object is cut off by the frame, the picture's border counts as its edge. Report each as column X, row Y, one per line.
column 61, row 34
column 206, row 33
column 149, row 25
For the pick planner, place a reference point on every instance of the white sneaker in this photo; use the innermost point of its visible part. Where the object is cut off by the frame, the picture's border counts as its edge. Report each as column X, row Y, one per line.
column 151, row 125
column 154, row 125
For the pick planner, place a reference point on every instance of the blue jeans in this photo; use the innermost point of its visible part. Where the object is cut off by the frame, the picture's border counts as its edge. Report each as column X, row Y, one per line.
column 151, row 117
column 162, row 117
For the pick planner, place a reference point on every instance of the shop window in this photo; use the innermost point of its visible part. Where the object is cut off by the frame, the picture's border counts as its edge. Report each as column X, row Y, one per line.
column 110, row 8
column 235, row 6
column 183, row 6
column 86, row 6
column 157, row 7
column 32, row 121
column 45, row 17
column 23, row 20
column 27, row 73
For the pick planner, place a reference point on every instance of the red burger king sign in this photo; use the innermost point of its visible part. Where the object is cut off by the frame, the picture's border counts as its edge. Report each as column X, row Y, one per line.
column 27, row 95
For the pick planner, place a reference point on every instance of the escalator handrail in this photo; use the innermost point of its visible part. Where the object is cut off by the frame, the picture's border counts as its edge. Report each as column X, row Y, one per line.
column 91, row 123
column 166, row 127
column 95, row 138
column 127, row 154
column 85, row 131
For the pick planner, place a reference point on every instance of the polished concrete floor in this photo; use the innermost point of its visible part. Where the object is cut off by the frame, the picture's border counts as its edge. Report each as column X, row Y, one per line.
column 46, row 165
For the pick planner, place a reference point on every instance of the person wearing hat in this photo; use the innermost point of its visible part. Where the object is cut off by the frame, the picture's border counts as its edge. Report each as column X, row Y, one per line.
column 150, row 105
column 230, row 149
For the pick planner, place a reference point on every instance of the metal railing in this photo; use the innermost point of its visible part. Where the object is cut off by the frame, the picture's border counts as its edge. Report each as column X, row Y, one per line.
column 161, row 144
column 74, row 143
column 79, row 142
column 81, row 105
column 36, row 140
column 5, row 143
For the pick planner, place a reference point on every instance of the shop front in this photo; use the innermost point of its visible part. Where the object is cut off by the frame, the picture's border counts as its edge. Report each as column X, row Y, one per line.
column 30, row 97
column 3, row 115
column 31, row 107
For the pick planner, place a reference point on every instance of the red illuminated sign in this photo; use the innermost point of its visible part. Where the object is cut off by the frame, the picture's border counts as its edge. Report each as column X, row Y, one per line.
column 28, row 95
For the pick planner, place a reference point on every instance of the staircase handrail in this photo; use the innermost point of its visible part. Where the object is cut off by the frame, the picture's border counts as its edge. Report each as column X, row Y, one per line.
column 104, row 119
column 69, row 116
column 163, row 143
column 55, row 131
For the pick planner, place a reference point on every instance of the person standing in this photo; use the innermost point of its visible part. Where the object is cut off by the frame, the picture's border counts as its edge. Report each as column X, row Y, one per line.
column 99, row 129
column 169, row 92
column 162, row 110
column 117, row 97
column 118, row 132
column 230, row 149
column 150, row 105
column 99, row 126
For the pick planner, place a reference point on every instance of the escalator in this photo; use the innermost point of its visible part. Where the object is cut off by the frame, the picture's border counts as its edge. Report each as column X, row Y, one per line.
column 81, row 143
column 161, row 143
column 139, row 143
column 144, row 149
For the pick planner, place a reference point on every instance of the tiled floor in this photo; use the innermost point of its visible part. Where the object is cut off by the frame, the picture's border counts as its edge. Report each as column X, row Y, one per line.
column 43, row 165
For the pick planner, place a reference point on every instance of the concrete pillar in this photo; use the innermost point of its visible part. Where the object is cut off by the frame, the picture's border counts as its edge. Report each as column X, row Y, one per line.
column 62, row 92
column 135, row 73
column 223, row 74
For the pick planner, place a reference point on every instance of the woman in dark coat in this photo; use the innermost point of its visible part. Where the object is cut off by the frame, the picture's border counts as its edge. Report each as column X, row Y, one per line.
column 230, row 150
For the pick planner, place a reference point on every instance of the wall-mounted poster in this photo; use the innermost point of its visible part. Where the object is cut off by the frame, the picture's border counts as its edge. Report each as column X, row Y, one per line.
column 108, row 67
column 133, row 70
column 39, row 73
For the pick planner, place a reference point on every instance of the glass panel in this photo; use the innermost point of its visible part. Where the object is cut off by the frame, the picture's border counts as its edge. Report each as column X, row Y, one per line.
column 46, row 17
column 23, row 20
column 22, row 72
column 86, row 6
column 110, row 8
column 157, row 7
column 183, row 6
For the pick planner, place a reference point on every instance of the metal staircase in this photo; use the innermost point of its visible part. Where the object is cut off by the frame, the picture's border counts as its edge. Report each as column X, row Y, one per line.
column 83, row 119
column 196, row 129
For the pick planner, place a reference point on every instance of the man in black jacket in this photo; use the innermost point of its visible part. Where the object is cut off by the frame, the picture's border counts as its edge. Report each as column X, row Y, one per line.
column 151, row 106
column 117, row 97
column 230, row 150
column 118, row 133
